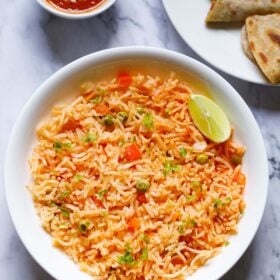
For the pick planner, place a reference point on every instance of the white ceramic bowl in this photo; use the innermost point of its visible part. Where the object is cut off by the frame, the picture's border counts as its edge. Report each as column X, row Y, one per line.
column 61, row 85
column 81, row 15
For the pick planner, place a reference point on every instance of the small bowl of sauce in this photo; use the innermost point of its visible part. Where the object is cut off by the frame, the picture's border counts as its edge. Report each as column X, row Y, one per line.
column 76, row 9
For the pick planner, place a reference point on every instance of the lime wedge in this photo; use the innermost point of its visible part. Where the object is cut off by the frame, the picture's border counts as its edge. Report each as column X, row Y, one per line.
column 209, row 118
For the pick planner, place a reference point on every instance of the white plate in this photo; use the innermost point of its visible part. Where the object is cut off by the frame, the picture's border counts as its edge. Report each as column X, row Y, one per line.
column 65, row 83
column 220, row 46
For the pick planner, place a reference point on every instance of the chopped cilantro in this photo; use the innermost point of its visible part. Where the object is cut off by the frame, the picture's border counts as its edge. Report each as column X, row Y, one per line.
column 58, row 146
column 101, row 194
column 96, row 99
column 218, row 203
column 228, row 199
column 148, row 121
column 182, row 152
column 189, row 223
column 169, row 167
column 127, row 258
column 65, row 194
column 144, row 255
column 89, row 138
column 144, row 237
column 77, row 178
column 65, row 212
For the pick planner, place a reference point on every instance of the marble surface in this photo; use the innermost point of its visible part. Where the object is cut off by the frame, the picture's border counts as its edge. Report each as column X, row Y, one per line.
column 34, row 44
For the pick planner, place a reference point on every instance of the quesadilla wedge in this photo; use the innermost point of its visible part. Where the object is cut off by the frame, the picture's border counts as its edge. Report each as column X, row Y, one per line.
column 263, row 39
column 239, row 10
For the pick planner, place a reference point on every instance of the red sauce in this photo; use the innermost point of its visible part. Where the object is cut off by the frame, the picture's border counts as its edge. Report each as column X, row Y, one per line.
column 75, row 5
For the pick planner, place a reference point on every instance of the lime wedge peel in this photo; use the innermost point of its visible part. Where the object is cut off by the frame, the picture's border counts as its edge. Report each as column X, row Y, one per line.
column 209, row 118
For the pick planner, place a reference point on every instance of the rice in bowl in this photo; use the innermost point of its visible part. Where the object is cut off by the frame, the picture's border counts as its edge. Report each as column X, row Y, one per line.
column 128, row 187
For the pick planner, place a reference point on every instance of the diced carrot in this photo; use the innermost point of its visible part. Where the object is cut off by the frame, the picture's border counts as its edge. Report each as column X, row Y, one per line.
column 97, row 202
column 240, row 178
column 101, row 108
column 141, row 197
column 111, row 247
column 132, row 153
column 120, row 235
column 133, row 224
column 124, row 80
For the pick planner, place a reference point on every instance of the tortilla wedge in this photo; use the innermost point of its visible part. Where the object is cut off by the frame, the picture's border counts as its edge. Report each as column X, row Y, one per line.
column 263, row 35
column 239, row 10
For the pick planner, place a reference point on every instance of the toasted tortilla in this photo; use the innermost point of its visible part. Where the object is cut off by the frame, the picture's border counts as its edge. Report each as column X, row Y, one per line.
column 263, row 33
column 239, row 10
column 245, row 43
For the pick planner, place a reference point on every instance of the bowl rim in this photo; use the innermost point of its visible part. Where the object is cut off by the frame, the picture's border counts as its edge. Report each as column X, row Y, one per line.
column 116, row 53
column 83, row 15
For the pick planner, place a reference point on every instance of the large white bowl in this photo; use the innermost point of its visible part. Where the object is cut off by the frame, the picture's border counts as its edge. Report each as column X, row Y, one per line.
column 63, row 83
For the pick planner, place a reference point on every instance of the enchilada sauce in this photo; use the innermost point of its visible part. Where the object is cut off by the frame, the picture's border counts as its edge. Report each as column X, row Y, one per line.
column 75, row 5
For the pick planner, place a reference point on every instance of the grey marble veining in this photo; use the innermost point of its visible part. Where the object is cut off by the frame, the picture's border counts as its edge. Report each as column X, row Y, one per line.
column 34, row 44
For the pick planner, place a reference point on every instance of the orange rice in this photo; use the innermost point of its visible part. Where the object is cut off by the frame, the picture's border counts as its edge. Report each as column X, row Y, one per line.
column 85, row 184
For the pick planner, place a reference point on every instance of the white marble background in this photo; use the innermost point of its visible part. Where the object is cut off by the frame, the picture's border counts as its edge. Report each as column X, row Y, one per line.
column 34, row 44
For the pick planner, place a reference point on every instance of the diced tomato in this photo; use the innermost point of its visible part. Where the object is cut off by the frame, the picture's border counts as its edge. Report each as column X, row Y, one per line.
column 97, row 202
column 240, row 178
column 101, row 108
column 141, row 197
column 133, row 224
column 124, row 80
column 70, row 125
column 177, row 260
column 132, row 153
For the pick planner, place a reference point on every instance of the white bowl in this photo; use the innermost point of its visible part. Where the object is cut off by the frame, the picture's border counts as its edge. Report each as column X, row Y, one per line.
column 81, row 15
column 61, row 85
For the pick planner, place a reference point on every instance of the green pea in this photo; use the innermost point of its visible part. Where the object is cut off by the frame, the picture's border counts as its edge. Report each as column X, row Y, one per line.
column 108, row 120
column 236, row 159
column 140, row 110
column 122, row 116
column 142, row 185
column 202, row 158
column 83, row 226
column 196, row 185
